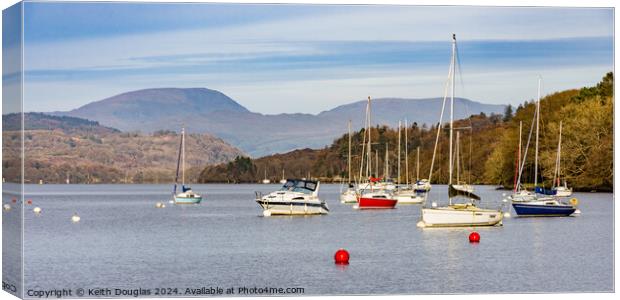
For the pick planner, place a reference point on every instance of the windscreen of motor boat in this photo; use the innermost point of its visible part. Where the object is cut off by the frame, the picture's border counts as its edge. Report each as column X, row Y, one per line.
column 300, row 186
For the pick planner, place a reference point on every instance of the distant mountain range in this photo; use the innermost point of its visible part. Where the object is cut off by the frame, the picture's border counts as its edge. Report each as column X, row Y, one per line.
column 203, row 110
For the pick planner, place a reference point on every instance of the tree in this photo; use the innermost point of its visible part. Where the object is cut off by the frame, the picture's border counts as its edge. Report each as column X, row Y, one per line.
column 508, row 113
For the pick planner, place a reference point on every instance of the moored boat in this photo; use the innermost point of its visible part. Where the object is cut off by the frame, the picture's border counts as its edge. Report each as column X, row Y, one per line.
column 349, row 195
column 409, row 196
column 460, row 215
column 544, row 208
column 466, row 214
column 376, row 199
column 186, row 196
column 296, row 197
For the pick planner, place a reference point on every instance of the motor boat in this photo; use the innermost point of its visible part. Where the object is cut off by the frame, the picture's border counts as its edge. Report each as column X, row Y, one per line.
column 296, row 197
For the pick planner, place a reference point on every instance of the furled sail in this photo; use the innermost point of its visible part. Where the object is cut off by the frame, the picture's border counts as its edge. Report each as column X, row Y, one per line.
column 453, row 192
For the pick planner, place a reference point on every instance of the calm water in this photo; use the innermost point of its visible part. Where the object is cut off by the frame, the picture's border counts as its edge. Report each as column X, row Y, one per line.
column 123, row 241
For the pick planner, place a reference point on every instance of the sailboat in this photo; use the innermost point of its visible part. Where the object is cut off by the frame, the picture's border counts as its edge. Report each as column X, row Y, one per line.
column 560, row 191
column 350, row 194
column 374, row 194
column 186, row 196
column 266, row 180
column 420, row 185
column 283, row 180
column 456, row 214
column 406, row 194
column 543, row 203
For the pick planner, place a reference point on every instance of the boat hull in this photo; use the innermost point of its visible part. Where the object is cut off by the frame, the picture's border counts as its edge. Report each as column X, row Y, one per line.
column 538, row 210
column 409, row 198
column 376, row 203
column 293, row 208
column 187, row 200
column 348, row 197
column 468, row 217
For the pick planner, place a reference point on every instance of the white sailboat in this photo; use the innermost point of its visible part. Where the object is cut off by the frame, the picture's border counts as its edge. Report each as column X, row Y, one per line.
column 349, row 195
column 456, row 214
column 186, row 196
column 406, row 194
column 266, row 180
column 283, row 180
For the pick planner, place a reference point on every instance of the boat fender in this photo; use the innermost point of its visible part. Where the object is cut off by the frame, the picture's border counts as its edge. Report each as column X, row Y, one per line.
column 574, row 202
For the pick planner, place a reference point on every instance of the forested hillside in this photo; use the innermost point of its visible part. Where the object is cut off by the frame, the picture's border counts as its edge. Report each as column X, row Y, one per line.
column 60, row 148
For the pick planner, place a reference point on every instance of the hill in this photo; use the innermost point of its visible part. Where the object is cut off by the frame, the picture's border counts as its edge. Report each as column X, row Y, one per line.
column 89, row 153
column 208, row 111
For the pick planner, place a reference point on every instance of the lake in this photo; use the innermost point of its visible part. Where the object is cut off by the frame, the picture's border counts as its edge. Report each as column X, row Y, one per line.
column 123, row 241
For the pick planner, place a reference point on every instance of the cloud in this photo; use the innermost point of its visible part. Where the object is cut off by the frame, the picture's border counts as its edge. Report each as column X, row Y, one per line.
column 271, row 64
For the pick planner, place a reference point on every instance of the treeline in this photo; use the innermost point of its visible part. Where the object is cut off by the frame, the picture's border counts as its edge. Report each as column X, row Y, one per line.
column 488, row 147
column 587, row 139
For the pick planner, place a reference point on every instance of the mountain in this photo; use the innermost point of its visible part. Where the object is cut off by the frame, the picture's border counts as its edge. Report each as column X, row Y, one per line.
column 57, row 147
column 203, row 110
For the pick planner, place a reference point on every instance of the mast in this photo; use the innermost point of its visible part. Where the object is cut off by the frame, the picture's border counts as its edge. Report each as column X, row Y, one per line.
column 560, row 154
column 458, row 157
column 377, row 162
column 556, row 174
column 398, row 176
column 387, row 162
column 452, row 108
column 369, row 136
column 417, row 165
column 537, row 134
column 364, row 150
column 406, row 154
column 349, row 156
column 183, row 151
column 517, row 183
column 176, row 176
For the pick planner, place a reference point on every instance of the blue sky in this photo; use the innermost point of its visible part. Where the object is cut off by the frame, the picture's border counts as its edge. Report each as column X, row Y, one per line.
column 307, row 58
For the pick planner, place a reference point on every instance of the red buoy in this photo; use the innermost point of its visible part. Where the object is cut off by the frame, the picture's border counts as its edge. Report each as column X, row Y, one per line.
column 29, row 201
column 14, row 200
column 474, row 237
column 341, row 257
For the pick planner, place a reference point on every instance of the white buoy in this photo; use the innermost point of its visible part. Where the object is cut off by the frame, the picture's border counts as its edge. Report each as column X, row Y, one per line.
column 6, row 207
column 356, row 206
column 504, row 200
column 37, row 210
column 160, row 205
column 577, row 212
column 266, row 213
column 506, row 215
column 75, row 218
column 171, row 201
column 434, row 204
column 421, row 224
column 504, row 194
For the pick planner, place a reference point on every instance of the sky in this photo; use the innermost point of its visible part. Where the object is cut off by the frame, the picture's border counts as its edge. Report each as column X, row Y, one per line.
column 307, row 58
